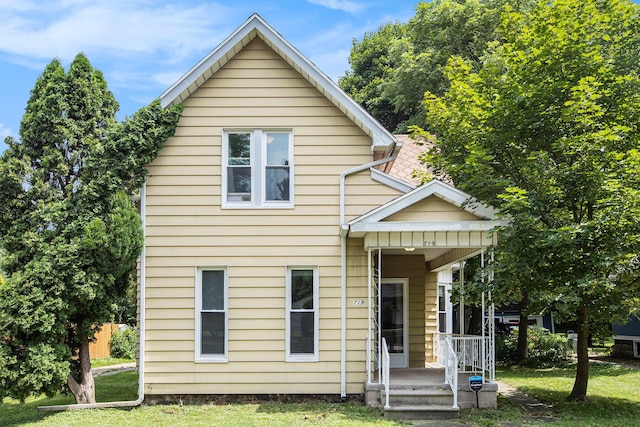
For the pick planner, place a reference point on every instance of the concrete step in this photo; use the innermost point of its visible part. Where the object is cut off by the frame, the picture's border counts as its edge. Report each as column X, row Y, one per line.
column 424, row 397
column 434, row 386
column 422, row 412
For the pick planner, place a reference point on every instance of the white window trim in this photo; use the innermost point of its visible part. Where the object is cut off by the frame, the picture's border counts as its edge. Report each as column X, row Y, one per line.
column 258, row 170
column 210, row 358
column 316, row 316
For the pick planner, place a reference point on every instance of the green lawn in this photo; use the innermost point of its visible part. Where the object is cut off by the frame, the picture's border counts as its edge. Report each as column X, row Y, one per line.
column 614, row 400
column 123, row 386
column 613, row 394
column 109, row 361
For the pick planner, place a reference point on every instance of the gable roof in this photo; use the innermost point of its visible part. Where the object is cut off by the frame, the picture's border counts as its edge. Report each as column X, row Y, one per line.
column 433, row 188
column 432, row 238
column 254, row 27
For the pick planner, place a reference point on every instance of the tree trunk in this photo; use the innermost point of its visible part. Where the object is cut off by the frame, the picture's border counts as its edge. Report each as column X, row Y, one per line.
column 579, row 391
column 523, row 326
column 84, row 391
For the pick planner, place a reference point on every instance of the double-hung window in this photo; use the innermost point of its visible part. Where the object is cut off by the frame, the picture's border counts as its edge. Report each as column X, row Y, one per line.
column 257, row 168
column 302, row 314
column 211, row 315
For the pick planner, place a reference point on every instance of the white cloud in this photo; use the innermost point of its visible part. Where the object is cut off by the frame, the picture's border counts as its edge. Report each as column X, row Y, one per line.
column 344, row 5
column 5, row 132
column 167, row 79
column 117, row 28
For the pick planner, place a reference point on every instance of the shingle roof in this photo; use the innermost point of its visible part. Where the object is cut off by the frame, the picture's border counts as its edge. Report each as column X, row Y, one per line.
column 407, row 161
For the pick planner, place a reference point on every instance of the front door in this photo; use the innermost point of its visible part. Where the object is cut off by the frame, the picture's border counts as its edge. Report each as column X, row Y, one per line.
column 394, row 319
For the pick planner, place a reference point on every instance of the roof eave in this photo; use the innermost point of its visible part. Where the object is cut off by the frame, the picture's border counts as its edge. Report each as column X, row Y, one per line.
column 256, row 26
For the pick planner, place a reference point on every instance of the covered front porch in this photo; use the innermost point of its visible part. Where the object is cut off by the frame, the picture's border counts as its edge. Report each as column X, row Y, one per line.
column 419, row 360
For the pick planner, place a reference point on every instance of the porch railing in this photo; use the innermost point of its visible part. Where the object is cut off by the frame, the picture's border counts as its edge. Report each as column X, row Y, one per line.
column 474, row 354
column 384, row 371
column 451, row 370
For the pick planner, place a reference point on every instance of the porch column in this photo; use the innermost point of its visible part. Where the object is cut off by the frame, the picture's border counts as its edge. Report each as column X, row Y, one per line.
column 370, row 315
column 461, row 311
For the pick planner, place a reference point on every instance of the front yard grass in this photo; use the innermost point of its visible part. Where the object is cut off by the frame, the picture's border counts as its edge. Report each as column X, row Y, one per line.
column 109, row 361
column 614, row 400
column 613, row 396
column 123, row 386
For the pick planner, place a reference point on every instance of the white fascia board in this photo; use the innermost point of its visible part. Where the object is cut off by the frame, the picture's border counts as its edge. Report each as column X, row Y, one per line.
column 379, row 135
column 409, row 226
column 391, row 181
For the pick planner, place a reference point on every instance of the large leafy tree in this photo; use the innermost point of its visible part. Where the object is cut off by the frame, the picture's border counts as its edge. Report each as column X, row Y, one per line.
column 372, row 65
column 547, row 130
column 70, row 231
column 393, row 68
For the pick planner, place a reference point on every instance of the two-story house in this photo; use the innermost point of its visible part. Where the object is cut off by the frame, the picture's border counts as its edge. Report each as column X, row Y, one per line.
column 280, row 256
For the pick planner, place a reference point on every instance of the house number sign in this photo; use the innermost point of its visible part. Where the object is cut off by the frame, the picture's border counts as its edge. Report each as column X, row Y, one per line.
column 358, row 302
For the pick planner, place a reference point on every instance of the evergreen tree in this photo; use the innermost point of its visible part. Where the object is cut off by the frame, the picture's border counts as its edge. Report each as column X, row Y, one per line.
column 71, row 233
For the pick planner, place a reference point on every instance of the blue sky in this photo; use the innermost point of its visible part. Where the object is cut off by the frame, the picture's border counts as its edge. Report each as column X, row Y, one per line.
column 143, row 46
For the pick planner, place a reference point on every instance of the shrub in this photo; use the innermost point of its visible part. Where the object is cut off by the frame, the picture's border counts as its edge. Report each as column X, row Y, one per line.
column 123, row 344
column 544, row 349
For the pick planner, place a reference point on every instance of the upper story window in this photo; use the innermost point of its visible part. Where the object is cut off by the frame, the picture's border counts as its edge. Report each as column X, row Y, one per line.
column 257, row 168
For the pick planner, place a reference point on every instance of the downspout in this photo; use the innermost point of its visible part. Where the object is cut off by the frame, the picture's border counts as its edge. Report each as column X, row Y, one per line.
column 344, row 229
column 141, row 326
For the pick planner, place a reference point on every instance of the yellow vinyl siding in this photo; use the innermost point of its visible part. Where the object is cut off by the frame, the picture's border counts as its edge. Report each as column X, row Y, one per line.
column 431, row 317
column 187, row 228
column 432, row 209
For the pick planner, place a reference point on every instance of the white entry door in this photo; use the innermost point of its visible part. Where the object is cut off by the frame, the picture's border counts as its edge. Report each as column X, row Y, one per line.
column 394, row 320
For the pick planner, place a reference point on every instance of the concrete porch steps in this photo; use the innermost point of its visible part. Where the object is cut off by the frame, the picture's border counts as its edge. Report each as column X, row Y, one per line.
column 421, row 394
column 412, row 403
column 421, row 412
column 436, row 396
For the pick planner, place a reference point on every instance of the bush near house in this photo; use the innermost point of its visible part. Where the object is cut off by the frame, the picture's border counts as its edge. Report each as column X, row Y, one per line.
column 123, row 344
column 544, row 348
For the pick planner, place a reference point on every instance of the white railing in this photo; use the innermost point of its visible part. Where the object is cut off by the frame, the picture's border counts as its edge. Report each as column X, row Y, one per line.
column 368, row 359
column 384, row 371
column 451, row 370
column 474, row 355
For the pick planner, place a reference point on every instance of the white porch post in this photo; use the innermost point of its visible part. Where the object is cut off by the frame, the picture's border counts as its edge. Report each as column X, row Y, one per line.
column 492, row 317
column 488, row 322
column 445, row 278
column 461, row 313
column 379, row 305
column 370, row 311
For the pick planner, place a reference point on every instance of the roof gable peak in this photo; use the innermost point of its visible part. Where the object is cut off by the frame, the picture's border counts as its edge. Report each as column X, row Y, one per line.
column 435, row 188
column 254, row 27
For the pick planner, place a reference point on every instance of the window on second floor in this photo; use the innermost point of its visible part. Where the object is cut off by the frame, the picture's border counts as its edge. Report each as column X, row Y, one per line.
column 257, row 168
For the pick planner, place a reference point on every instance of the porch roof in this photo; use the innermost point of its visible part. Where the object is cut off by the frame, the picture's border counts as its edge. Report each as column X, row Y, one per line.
column 425, row 232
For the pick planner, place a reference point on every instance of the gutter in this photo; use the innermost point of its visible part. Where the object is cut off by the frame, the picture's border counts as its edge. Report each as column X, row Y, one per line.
column 344, row 230
column 141, row 326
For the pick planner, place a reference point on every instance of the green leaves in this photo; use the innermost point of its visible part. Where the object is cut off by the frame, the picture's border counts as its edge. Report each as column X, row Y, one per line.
column 393, row 68
column 546, row 130
column 70, row 232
